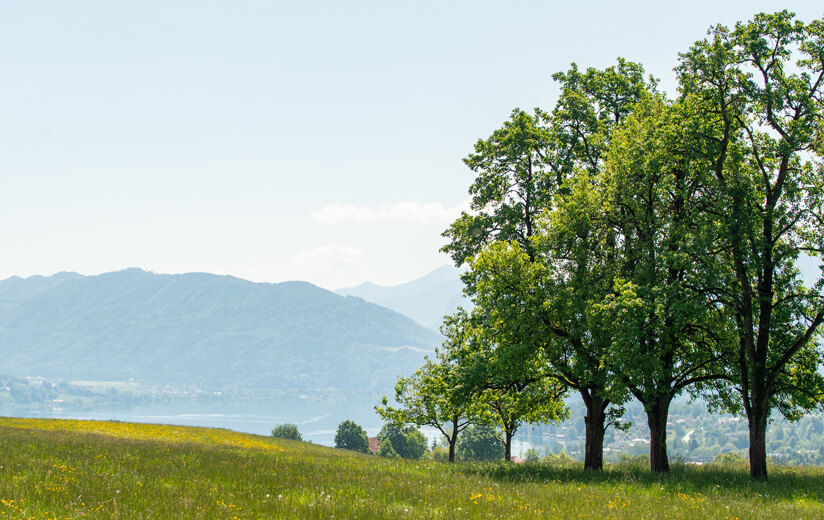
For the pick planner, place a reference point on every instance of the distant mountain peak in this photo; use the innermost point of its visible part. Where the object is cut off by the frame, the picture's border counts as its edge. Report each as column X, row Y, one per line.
column 426, row 300
column 446, row 272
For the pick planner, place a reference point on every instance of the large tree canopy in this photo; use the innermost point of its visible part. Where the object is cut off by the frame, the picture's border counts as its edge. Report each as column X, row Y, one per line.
column 664, row 334
column 525, row 170
column 756, row 95
column 525, row 163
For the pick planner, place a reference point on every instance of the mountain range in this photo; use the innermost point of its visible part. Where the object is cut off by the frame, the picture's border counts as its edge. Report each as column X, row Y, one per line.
column 205, row 330
column 426, row 300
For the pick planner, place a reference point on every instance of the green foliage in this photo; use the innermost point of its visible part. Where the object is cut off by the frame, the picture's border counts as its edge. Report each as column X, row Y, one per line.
column 439, row 453
column 403, row 441
column 480, row 443
column 415, row 444
column 592, row 103
column 654, row 206
column 730, row 458
column 386, row 450
column 512, row 186
column 433, row 395
column 532, row 288
column 627, row 243
column 287, row 431
column 634, row 460
column 754, row 99
column 664, row 333
column 559, row 459
column 350, row 436
column 504, row 381
column 531, row 456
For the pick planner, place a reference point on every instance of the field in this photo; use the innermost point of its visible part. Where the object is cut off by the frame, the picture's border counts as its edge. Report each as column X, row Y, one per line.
column 84, row 469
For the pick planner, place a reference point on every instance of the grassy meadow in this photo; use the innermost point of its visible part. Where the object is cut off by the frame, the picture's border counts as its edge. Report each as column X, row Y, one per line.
column 86, row 469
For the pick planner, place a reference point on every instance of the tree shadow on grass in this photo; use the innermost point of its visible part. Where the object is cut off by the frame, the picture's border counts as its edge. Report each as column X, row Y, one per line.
column 785, row 483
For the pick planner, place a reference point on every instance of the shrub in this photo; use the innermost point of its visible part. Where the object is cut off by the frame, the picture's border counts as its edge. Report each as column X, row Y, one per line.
column 559, row 459
column 480, row 443
column 439, row 453
column 350, row 436
column 532, row 456
column 287, row 431
column 730, row 458
column 641, row 460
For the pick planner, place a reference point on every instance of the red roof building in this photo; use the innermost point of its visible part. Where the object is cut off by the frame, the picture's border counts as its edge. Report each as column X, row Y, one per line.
column 373, row 445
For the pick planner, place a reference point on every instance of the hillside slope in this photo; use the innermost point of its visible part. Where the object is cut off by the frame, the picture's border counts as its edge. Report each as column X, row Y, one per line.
column 203, row 329
column 72, row 469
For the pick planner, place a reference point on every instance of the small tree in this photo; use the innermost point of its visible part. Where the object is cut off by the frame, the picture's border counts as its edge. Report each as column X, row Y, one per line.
column 287, row 431
column 508, row 387
column 730, row 458
column 415, row 444
column 511, row 406
column 404, row 441
column 480, row 443
column 432, row 396
column 350, row 436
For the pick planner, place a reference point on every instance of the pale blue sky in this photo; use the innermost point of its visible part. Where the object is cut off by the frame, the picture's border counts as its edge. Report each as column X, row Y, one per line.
column 272, row 141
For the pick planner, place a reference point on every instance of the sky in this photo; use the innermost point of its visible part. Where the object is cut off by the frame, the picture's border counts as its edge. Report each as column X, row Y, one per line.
column 273, row 141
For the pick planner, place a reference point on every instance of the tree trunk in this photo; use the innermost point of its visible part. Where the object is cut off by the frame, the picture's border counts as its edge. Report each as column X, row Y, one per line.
column 758, row 442
column 594, row 422
column 507, row 445
column 657, row 421
column 453, row 439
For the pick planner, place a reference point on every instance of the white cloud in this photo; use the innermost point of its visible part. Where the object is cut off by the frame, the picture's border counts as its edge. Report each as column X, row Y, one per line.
column 422, row 212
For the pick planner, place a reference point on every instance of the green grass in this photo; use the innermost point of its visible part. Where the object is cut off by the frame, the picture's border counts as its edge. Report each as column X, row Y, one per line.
column 74, row 469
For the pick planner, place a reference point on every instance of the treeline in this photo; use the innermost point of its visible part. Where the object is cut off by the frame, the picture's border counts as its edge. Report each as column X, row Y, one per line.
column 627, row 244
column 22, row 392
column 38, row 392
column 396, row 441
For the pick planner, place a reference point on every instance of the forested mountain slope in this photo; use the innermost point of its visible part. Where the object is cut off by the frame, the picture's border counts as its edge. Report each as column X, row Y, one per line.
column 203, row 329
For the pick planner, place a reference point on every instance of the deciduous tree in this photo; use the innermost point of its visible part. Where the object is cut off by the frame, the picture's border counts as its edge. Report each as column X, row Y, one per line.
column 406, row 442
column 432, row 396
column 517, row 184
column 350, row 436
column 287, row 431
column 663, row 332
column 480, row 443
column 504, row 381
column 756, row 92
